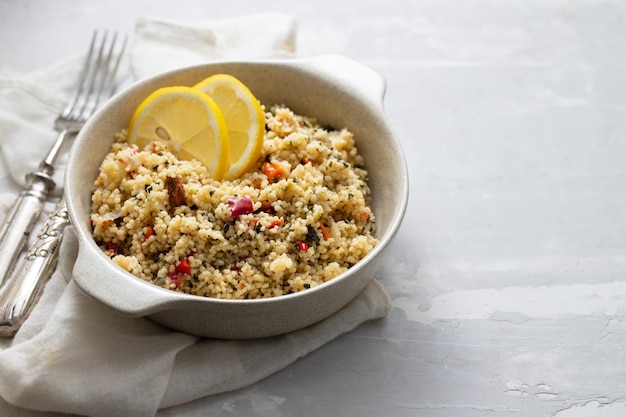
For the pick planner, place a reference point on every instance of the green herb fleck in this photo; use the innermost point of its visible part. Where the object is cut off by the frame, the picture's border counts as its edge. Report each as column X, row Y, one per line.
column 311, row 235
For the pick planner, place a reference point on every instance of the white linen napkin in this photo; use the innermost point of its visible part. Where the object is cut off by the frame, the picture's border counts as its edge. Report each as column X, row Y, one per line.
column 161, row 45
column 74, row 355
column 29, row 103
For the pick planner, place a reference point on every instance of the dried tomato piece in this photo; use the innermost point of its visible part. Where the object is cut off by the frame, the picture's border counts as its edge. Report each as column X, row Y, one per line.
column 112, row 249
column 175, row 191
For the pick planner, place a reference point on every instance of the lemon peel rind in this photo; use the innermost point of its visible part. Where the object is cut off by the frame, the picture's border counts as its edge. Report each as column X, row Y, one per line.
column 252, row 152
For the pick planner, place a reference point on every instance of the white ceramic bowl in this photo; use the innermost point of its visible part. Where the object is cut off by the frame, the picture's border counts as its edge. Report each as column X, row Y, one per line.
column 334, row 89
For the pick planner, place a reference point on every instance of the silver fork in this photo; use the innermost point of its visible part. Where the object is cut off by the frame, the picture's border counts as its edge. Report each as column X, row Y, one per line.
column 24, row 284
column 96, row 82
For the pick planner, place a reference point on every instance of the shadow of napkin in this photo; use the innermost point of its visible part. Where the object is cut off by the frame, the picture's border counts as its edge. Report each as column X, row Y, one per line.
column 74, row 355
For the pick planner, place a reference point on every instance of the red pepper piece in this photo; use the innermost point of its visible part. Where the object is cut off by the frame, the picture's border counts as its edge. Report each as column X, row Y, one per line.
column 365, row 214
column 303, row 246
column 183, row 266
column 276, row 223
column 175, row 279
column 325, row 232
column 148, row 231
column 240, row 205
column 272, row 171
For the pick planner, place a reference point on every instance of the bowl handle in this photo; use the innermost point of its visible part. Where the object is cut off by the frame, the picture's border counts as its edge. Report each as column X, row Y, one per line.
column 105, row 284
column 351, row 75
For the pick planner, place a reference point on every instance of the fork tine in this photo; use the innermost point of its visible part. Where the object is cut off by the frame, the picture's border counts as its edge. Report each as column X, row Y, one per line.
column 98, row 81
column 104, row 73
column 81, row 79
column 94, row 71
column 110, row 85
column 107, row 80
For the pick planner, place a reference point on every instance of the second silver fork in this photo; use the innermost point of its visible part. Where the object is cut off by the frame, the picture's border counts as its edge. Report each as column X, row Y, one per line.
column 96, row 83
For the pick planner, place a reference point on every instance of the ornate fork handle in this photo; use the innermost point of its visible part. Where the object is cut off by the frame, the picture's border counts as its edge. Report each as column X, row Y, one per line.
column 22, row 289
column 21, row 219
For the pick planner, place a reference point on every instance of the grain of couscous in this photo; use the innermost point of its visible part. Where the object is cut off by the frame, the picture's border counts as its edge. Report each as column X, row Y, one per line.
column 299, row 218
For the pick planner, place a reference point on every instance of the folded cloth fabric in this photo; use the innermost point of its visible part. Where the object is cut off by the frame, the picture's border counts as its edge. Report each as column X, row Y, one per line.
column 74, row 355
column 29, row 103
column 162, row 45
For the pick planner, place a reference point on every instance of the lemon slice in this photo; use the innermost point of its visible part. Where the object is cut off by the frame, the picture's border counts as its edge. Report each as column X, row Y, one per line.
column 244, row 119
column 188, row 122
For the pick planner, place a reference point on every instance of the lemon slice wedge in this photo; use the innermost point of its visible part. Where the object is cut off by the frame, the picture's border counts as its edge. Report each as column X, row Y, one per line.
column 190, row 124
column 244, row 119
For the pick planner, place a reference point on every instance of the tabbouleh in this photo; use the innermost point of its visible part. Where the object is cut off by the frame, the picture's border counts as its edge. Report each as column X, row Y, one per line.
column 299, row 218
